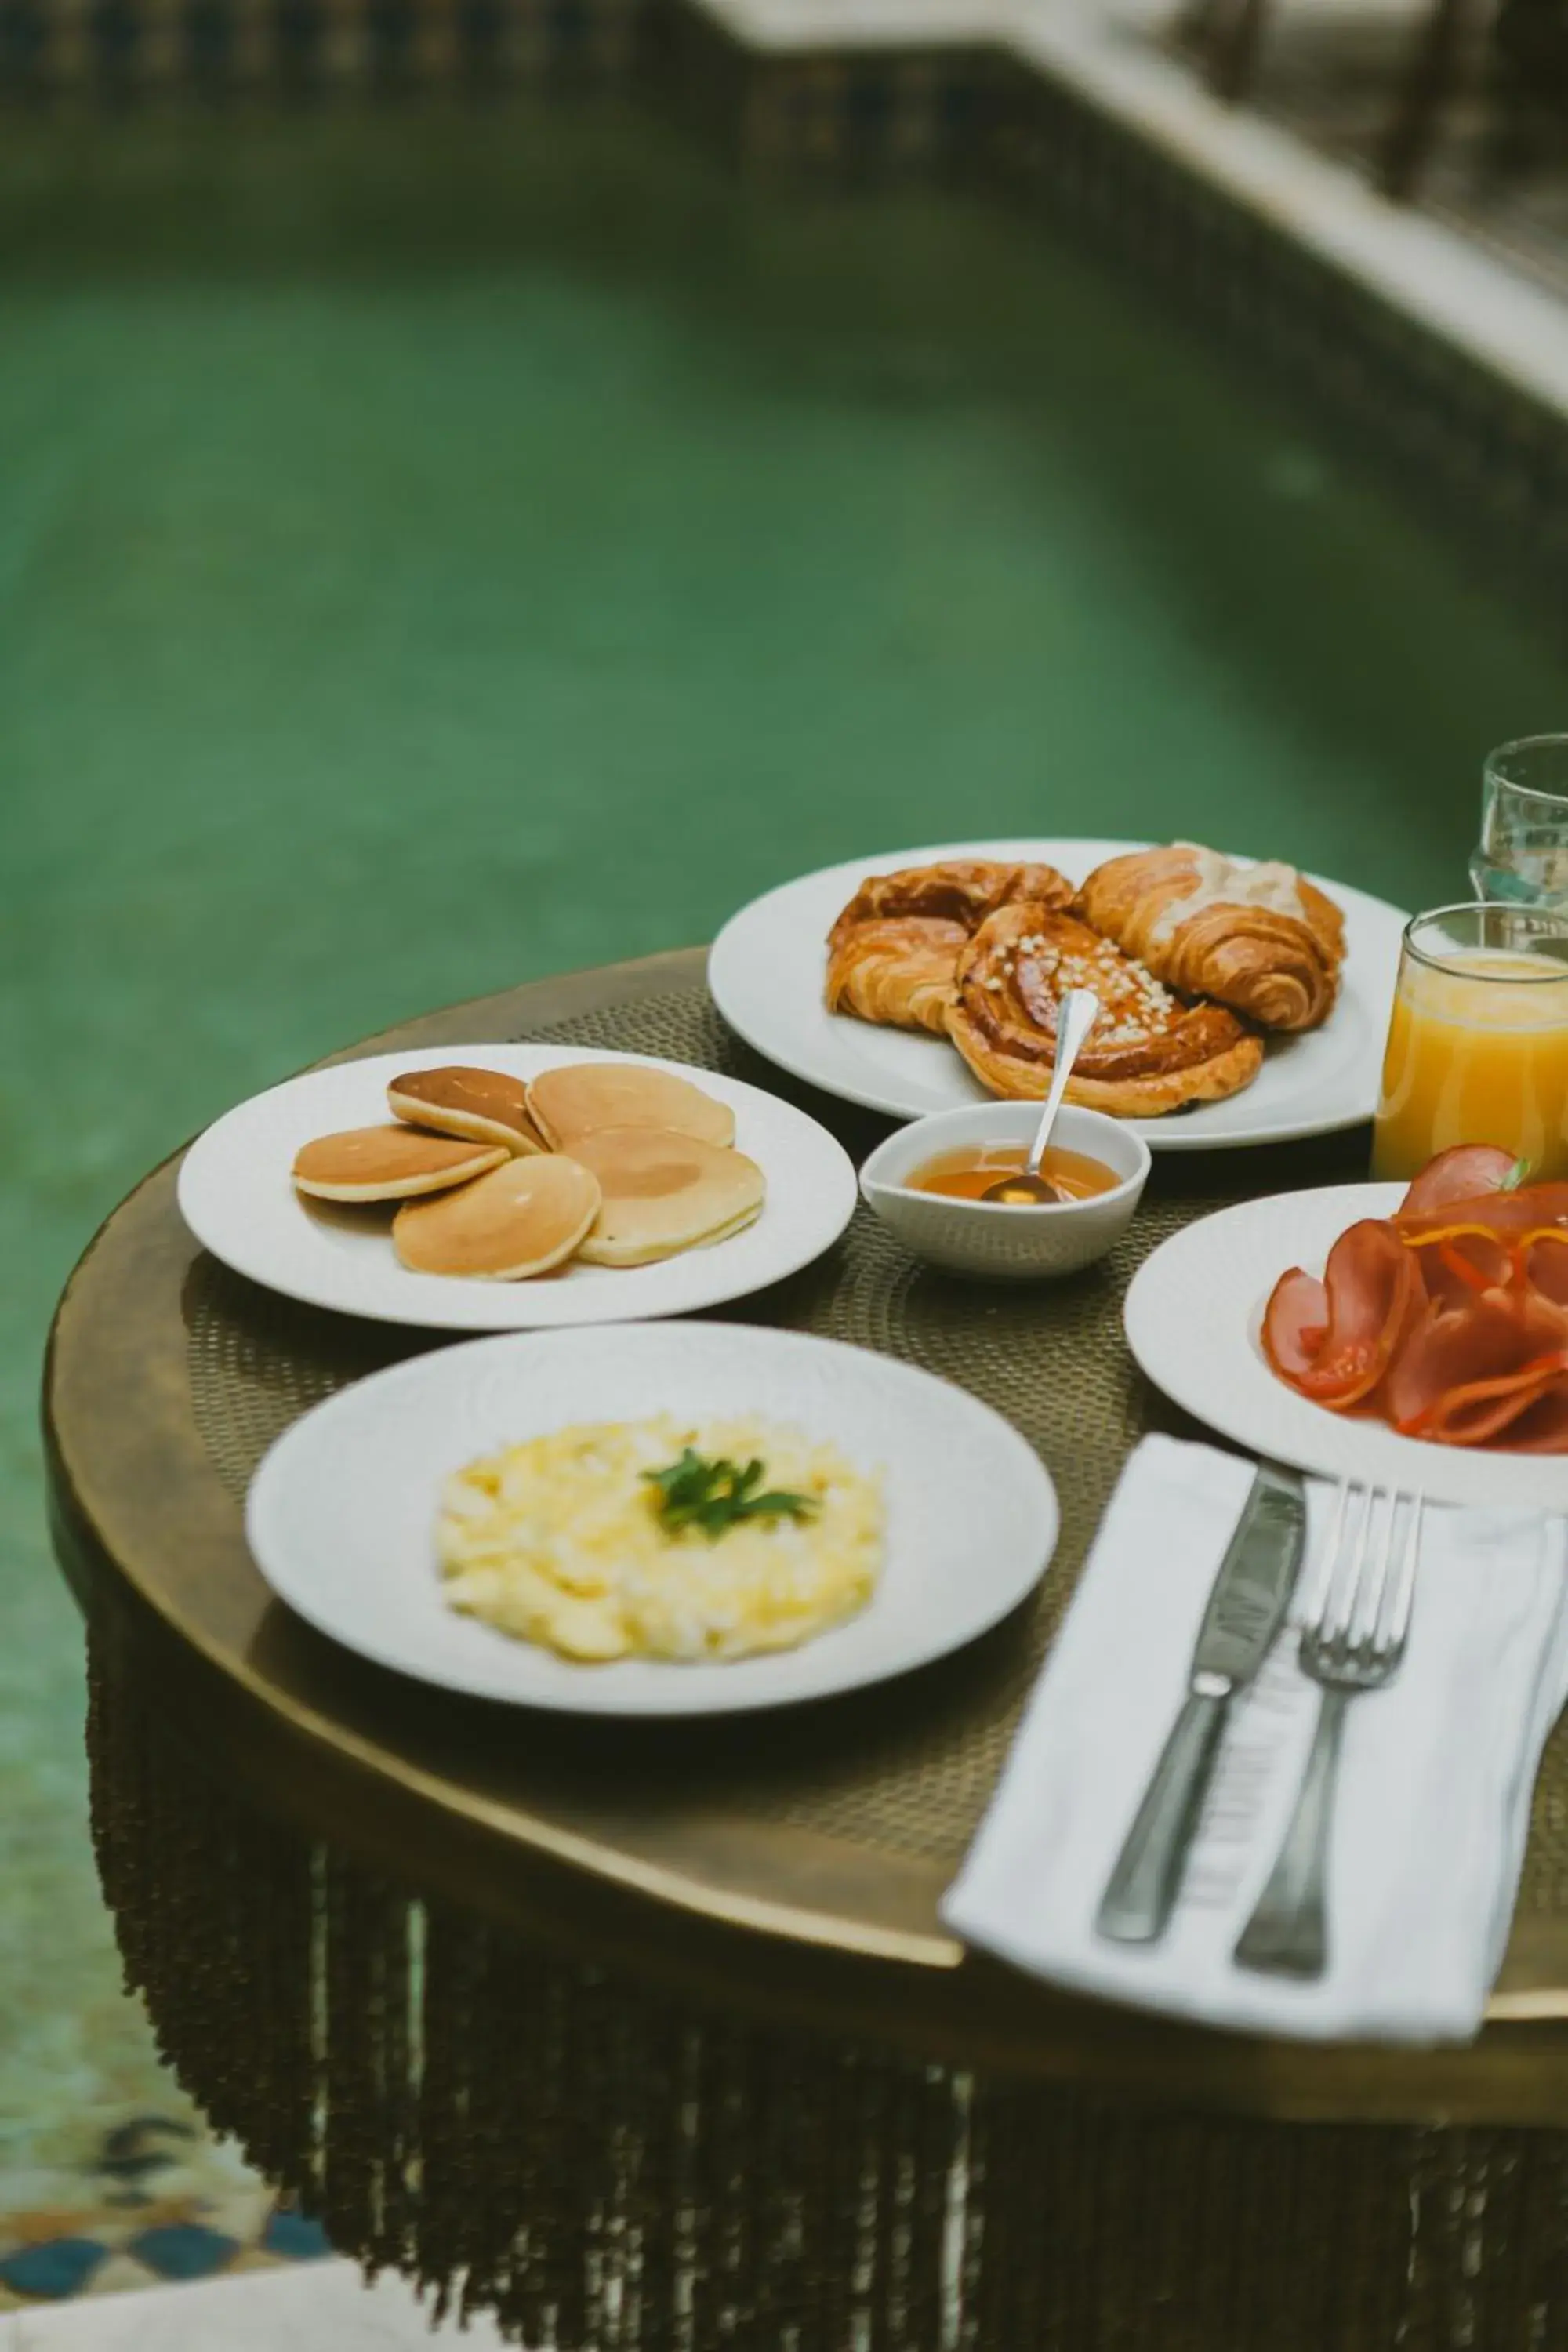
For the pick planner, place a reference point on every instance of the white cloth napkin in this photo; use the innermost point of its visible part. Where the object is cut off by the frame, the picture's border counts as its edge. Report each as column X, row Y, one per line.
column 1435, row 1783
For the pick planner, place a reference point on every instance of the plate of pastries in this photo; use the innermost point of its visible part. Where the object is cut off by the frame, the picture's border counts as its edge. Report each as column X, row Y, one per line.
column 1243, row 1002
column 497, row 1187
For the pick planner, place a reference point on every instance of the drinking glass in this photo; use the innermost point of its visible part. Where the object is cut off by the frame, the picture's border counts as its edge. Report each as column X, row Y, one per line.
column 1478, row 1045
column 1522, row 855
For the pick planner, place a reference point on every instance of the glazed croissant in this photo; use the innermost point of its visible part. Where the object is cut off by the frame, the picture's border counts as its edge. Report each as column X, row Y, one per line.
column 898, row 971
column 893, row 953
column 1260, row 938
column 1146, row 1054
column 958, row 890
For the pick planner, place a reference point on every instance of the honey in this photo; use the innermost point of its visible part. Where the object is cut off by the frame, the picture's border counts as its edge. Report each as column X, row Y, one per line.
column 964, row 1175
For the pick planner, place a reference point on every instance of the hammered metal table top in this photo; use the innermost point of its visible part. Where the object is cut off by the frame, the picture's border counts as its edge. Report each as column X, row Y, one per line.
column 795, row 1861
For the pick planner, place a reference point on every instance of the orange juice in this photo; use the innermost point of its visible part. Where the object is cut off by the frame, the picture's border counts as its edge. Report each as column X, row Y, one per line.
column 1478, row 1053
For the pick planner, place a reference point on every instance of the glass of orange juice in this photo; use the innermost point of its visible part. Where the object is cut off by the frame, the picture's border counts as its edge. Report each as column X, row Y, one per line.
column 1478, row 1045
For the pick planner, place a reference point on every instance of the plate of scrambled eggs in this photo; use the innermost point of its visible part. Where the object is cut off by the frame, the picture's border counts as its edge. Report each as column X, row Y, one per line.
column 658, row 1519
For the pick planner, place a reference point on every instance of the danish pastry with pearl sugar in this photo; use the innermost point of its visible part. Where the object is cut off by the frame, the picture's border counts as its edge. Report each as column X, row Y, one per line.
column 1149, row 1052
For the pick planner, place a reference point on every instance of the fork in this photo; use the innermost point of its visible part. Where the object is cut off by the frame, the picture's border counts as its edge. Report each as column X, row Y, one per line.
column 1352, row 1631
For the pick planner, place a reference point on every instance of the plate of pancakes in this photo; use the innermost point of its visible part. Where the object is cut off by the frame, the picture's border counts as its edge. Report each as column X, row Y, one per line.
column 1243, row 1002
column 504, row 1187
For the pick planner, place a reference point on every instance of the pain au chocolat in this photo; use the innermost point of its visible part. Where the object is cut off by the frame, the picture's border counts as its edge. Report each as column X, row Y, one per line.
column 1260, row 938
column 388, row 1163
column 485, row 1106
column 1148, row 1054
column 893, row 953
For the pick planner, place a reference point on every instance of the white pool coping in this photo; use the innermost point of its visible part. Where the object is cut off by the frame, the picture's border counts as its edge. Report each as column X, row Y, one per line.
column 322, row 2306
column 1438, row 279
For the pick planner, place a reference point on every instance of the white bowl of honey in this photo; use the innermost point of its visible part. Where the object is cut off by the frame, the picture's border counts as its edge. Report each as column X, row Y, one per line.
column 925, row 1181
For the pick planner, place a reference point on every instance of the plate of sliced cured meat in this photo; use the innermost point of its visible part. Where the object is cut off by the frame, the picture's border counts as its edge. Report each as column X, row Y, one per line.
column 1411, row 1334
column 1244, row 1000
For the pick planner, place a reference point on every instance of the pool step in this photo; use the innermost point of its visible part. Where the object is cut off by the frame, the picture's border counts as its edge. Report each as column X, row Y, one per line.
column 324, row 2308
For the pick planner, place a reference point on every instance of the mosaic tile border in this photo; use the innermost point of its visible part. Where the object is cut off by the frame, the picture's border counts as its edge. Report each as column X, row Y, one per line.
column 219, row 48
column 153, row 2202
column 837, row 118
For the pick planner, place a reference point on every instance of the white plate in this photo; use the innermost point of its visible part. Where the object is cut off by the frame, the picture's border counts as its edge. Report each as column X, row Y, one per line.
column 1194, row 1312
column 341, row 1515
column 235, row 1197
column 768, row 963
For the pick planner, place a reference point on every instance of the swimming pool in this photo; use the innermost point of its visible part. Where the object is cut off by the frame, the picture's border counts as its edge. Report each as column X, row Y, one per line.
column 439, row 548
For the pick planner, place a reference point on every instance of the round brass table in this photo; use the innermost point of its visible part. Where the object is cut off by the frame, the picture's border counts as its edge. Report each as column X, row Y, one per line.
column 651, row 2036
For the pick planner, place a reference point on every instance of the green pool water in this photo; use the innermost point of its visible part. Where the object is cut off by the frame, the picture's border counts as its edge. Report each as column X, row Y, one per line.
column 440, row 551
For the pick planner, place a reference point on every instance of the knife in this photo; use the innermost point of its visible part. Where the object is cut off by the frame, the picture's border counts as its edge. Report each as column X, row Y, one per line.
column 1246, row 1609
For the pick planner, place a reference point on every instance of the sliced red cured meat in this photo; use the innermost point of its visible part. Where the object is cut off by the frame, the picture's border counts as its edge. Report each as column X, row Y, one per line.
column 1373, row 1293
column 1485, row 1414
column 1546, row 1266
column 1463, row 1173
column 1542, row 1427
column 1295, row 1323
column 1464, row 1373
column 1519, row 1248
column 1457, row 1266
column 1505, row 1213
column 1449, row 1319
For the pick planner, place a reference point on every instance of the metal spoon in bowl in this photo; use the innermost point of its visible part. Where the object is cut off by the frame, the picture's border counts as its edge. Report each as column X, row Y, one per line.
column 1079, row 1012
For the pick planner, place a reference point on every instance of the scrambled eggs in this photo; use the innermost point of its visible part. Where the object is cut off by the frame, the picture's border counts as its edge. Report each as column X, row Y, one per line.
column 562, row 1541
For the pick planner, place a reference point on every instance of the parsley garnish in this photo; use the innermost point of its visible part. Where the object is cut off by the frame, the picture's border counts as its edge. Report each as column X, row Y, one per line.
column 716, row 1495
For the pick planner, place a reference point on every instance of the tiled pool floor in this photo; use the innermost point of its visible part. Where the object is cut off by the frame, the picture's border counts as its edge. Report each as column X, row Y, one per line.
column 435, row 551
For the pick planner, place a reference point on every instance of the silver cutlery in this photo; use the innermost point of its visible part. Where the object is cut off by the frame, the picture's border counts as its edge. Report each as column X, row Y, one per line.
column 1353, row 1629
column 1246, row 1609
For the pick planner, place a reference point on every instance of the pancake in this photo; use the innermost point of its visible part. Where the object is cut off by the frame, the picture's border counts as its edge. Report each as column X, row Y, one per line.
column 584, row 1097
column 388, row 1163
column 663, row 1192
column 485, row 1106
column 520, row 1219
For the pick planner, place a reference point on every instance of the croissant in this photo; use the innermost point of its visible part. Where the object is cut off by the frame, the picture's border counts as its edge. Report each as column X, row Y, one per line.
column 893, row 951
column 959, row 890
column 1260, row 938
column 898, row 972
column 1147, row 1053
